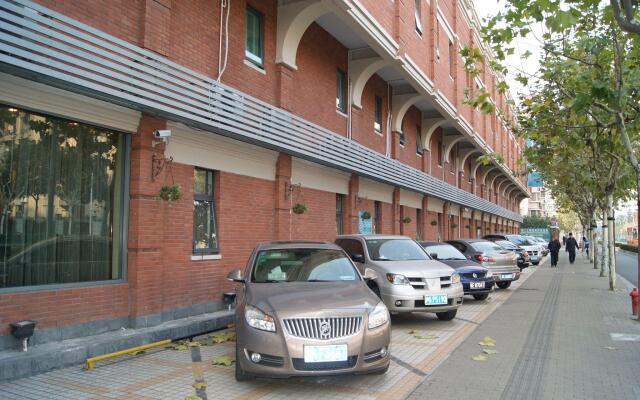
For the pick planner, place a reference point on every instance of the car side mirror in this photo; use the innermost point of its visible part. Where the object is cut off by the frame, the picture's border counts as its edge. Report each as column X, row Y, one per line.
column 434, row 255
column 369, row 274
column 236, row 276
column 359, row 258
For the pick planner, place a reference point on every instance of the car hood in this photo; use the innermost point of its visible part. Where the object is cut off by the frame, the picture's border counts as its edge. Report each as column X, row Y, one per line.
column 412, row 268
column 462, row 264
column 312, row 298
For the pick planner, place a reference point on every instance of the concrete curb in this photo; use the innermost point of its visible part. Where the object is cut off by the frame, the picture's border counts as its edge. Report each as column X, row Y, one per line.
column 55, row 355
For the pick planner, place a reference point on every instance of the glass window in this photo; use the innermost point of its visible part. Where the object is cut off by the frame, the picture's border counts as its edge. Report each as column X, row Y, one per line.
column 418, row 17
column 339, row 226
column 403, row 139
column 205, row 233
column 303, row 265
column 452, row 55
column 350, row 246
column 487, row 247
column 440, row 153
column 445, row 252
column 253, row 36
column 341, row 83
column 395, row 250
column 61, row 200
column 377, row 124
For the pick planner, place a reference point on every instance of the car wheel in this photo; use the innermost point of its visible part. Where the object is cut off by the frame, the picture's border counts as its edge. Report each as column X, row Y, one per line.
column 447, row 316
column 481, row 296
column 503, row 285
column 375, row 289
column 241, row 375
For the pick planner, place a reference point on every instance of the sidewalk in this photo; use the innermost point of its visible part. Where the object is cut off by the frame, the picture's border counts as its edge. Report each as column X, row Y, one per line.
column 558, row 337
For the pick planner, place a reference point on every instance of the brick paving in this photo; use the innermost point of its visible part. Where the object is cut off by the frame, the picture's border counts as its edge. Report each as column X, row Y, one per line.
column 169, row 374
column 553, row 341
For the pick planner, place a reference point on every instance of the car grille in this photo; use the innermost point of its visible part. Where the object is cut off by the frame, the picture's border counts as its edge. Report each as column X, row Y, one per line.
column 323, row 328
column 419, row 283
column 534, row 252
column 469, row 275
column 300, row 365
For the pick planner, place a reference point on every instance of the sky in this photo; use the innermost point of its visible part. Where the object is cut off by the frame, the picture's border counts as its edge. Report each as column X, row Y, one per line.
column 489, row 8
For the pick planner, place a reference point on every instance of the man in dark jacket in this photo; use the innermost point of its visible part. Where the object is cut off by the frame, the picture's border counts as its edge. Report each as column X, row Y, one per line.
column 572, row 246
column 554, row 249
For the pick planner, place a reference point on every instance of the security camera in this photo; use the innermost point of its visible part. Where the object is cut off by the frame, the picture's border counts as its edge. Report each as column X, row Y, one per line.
column 162, row 133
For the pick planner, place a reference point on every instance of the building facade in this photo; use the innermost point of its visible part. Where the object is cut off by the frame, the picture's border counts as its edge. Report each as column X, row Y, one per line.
column 541, row 203
column 287, row 120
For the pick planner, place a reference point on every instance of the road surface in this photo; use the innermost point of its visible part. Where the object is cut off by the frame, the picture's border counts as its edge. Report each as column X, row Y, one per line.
column 627, row 266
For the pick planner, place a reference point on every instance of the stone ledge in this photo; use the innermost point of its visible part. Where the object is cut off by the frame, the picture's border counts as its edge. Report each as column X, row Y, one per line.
column 54, row 355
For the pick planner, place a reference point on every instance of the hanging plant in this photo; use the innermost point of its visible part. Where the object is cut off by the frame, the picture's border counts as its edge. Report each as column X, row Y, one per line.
column 406, row 220
column 366, row 215
column 434, row 223
column 299, row 208
column 170, row 193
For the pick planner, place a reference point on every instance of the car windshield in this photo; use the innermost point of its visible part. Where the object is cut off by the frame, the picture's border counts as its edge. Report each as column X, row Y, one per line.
column 445, row 252
column 485, row 247
column 518, row 240
column 505, row 244
column 395, row 250
column 303, row 265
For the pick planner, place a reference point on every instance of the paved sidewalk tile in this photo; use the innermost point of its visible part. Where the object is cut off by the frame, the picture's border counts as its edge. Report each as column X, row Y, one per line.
column 169, row 374
column 553, row 342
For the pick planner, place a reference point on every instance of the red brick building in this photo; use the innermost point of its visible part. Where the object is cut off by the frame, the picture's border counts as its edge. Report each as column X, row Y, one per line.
column 341, row 106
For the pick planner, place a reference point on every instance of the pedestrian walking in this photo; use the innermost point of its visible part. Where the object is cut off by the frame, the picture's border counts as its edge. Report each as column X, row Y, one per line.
column 554, row 249
column 564, row 240
column 585, row 245
column 572, row 245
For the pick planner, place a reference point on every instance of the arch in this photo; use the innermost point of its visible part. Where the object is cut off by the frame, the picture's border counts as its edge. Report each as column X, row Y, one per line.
column 428, row 127
column 361, row 70
column 485, row 173
column 475, row 167
column 502, row 183
column 293, row 21
column 508, row 188
column 510, row 191
column 465, row 156
column 401, row 104
column 448, row 144
column 493, row 181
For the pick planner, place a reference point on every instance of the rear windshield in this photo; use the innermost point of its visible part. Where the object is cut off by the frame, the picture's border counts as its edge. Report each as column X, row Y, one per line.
column 395, row 250
column 445, row 252
column 485, row 247
column 303, row 265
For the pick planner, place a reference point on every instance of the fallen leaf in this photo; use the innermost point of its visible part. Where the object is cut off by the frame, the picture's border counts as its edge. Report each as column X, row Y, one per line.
column 193, row 344
column 489, row 351
column 411, row 332
column 199, row 385
column 425, row 336
column 193, row 397
column 487, row 341
column 223, row 360
column 135, row 353
column 480, row 357
column 221, row 337
column 231, row 325
column 179, row 345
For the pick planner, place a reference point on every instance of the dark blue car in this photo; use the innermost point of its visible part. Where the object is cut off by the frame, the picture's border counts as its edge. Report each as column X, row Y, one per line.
column 476, row 279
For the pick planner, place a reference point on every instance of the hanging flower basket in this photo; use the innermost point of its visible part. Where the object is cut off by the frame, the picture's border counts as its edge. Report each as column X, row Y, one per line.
column 299, row 208
column 170, row 193
column 406, row 220
column 366, row 215
column 434, row 223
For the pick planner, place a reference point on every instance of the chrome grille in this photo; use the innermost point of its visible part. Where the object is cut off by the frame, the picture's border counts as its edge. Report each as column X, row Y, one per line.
column 323, row 328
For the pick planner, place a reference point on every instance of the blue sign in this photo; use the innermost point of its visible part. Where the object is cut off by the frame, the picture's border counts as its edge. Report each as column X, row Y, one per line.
column 364, row 225
column 534, row 179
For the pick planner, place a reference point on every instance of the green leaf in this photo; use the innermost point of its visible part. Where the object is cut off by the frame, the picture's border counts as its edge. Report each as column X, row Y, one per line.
column 223, row 360
column 487, row 341
column 480, row 357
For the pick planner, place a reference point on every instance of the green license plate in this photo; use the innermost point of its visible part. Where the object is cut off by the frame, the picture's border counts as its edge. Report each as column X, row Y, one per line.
column 435, row 300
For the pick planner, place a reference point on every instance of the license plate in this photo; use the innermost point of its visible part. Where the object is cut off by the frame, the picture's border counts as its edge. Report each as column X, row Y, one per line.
column 506, row 276
column 477, row 285
column 316, row 354
column 435, row 300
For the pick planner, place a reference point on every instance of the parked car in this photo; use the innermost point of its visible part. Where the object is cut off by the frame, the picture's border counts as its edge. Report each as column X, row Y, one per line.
column 304, row 309
column 533, row 249
column 502, row 263
column 523, row 256
column 543, row 244
column 408, row 280
column 477, row 281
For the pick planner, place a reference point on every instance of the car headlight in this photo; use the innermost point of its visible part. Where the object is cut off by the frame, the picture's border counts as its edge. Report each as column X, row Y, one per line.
column 455, row 278
column 259, row 320
column 379, row 316
column 398, row 279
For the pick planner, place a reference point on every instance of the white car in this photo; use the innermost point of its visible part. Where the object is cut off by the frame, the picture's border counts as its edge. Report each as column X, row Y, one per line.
column 533, row 248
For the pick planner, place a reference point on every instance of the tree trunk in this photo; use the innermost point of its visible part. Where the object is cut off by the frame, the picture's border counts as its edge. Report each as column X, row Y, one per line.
column 594, row 246
column 605, row 238
column 612, row 243
column 638, row 227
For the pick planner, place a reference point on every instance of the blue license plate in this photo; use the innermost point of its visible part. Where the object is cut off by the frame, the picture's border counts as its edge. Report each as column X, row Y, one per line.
column 435, row 300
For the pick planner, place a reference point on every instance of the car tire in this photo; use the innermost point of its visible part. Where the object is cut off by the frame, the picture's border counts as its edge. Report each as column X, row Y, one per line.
column 503, row 285
column 447, row 315
column 241, row 375
column 481, row 296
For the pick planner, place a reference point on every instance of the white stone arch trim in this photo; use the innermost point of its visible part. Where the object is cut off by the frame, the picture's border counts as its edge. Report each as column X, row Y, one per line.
column 464, row 156
column 501, row 186
column 401, row 104
column 509, row 189
column 293, row 21
column 427, row 129
column 485, row 174
column 361, row 71
column 474, row 169
column 448, row 144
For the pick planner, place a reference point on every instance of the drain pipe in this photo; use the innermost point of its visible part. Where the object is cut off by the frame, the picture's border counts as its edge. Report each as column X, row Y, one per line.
column 349, row 94
column 222, row 66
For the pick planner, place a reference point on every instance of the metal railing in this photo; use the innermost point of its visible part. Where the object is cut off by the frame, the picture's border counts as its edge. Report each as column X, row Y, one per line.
column 39, row 43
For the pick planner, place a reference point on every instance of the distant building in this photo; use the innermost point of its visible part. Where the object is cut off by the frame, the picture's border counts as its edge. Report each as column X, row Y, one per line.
column 541, row 203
